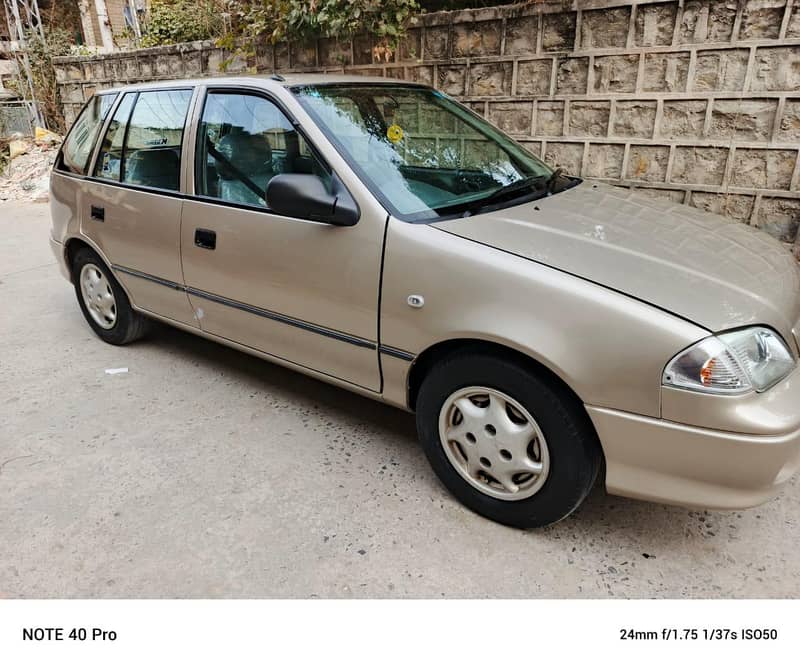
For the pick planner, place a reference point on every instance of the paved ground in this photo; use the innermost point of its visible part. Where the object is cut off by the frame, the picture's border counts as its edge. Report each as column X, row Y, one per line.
column 205, row 472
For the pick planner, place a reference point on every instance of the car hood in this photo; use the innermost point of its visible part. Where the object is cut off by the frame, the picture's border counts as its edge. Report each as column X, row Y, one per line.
column 705, row 268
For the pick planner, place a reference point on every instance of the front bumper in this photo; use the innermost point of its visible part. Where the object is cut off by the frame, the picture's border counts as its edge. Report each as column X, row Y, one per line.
column 673, row 463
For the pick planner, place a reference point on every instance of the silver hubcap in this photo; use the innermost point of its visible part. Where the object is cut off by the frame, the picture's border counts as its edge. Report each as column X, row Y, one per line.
column 98, row 296
column 494, row 443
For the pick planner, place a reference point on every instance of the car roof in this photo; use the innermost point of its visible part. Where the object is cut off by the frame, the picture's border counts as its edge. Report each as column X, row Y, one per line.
column 266, row 81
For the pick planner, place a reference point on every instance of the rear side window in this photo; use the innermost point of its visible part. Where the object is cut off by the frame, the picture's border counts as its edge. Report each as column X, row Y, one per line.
column 142, row 145
column 77, row 149
column 109, row 161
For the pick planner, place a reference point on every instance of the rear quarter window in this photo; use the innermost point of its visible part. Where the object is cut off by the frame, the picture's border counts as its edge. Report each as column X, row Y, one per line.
column 77, row 149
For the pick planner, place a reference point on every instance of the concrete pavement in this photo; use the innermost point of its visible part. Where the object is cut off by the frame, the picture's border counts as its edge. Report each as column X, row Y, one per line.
column 203, row 472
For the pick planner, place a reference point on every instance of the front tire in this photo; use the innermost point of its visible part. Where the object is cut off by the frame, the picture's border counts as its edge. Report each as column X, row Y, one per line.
column 103, row 301
column 509, row 443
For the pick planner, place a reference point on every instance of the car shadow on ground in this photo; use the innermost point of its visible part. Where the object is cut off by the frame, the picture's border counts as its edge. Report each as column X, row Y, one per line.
column 661, row 525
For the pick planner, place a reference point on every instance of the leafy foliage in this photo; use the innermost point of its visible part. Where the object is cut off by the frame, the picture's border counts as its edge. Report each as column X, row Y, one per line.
column 174, row 21
column 57, row 42
column 229, row 21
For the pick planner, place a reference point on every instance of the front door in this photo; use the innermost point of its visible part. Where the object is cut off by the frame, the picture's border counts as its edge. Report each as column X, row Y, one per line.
column 300, row 290
column 133, row 204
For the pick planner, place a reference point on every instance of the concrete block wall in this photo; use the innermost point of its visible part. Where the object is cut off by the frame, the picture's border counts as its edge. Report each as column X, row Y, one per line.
column 697, row 101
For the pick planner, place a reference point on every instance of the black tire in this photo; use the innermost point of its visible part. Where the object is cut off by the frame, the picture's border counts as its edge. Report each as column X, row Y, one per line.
column 575, row 455
column 130, row 325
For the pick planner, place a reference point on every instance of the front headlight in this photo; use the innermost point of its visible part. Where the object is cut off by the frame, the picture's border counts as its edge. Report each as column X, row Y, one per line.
column 734, row 362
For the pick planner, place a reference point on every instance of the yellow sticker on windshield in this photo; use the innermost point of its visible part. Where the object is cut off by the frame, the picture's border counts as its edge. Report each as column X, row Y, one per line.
column 394, row 133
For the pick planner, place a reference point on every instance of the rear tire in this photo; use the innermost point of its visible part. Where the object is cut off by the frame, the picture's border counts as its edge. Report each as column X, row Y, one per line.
column 523, row 451
column 102, row 300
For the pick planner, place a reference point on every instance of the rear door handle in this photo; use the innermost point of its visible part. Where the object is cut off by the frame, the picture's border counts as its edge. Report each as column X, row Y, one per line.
column 205, row 239
column 98, row 213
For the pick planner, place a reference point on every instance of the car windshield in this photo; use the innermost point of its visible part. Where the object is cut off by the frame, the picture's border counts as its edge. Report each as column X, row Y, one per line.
column 422, row 154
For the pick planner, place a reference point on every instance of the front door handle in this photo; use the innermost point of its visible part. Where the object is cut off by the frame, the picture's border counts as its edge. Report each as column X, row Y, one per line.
column 205, row 239
column 98, row 213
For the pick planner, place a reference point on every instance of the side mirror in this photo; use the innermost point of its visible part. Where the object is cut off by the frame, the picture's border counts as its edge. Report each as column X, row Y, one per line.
column 304, row 196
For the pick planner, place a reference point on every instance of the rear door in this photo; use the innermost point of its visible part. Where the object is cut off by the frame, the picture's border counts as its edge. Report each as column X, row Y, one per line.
column 300, row 290
column 133, row 204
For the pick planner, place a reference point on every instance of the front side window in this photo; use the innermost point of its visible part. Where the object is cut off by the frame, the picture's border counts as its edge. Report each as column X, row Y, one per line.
column 77, row 149
column 243, row 141
column 423, row 155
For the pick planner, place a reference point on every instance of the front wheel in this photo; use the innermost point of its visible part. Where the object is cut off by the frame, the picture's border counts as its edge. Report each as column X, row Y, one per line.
column 510, row 444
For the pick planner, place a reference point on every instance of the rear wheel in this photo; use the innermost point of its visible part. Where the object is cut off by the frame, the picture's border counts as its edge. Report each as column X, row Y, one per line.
column 510, row 444
column 103, row 302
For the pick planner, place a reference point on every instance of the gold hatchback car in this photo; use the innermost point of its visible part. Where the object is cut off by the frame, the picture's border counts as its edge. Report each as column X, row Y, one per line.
column 383, row 237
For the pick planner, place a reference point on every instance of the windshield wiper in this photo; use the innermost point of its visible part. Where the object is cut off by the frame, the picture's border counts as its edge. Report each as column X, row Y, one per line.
column 500, row 194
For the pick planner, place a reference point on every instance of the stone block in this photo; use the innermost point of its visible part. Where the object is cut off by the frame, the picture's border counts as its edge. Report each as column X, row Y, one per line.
column 604, row 161
column 333, row 52
column 732, row 205
column 572, row 75
column 87, row 70
column 74, row 72
column 490, row 79
column 743, row 119
column 616, row 74
column 478, row 108
column 533, row 77
column 534, row 147
column 513, row 118
column 670, row 195
column 264, row 58
column 436, row 40
column 212, row 62
column 130, row 68
column 793, row 29
column 89, row 90
column 281, row 56
column 707, row 21
column 666, row 72
column 605, row 28
column 558, row 31
column 634, row 118
column 72, row 93
column 720, row 70
column 410, row 46
column 452, row 80
column 567, row 155
column 549, row 118
column 421, row 73
column 789, row 129
column 61, row 73
column 655, row 24
column 521, row 35
column 305, row 55
column 683, row 119
column 647, row 163
column 479, row 38
column 763, row 168
column 99, row 71
column 777, row 69
column 113, row 71
column 699, row 165
column 589, row 119
column 392, row 73
column 779, row 217
column 362, row 50
column 193, row 64
column 761, row 19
